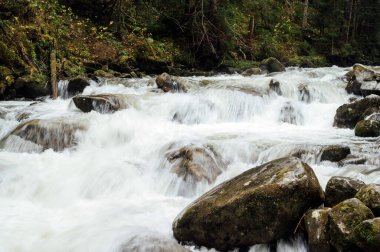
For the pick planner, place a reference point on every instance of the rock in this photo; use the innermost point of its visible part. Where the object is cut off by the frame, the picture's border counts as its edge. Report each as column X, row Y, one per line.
column 348, row 115
column 334, row 153
column 102, row 103
column 56, row 134
column 367, row 128
column 245, row 89
column 317, row 228
column 274, row 86
column 153, row 243
column 352, row 160
column 375, row 117
column 370, row 196
column 193, row 165
column 367, row 235
column 363, row 81
column 272, row 65
column 370, row 88
column 353, row 86
column 170, row 83
column 104, row 74
column 77, row 85
column 343, row 219
column 31, row 86
column 339, row 189
column 304, row 93
column 289, row 114
column 252, row 71
column 235, row 213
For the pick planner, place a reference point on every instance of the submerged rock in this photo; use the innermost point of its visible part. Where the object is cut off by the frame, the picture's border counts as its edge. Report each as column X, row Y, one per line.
column 169, row 83
column 317, row 228
column 304, row 93
column 275, row 86
column 272, row 65
column 370, row 196
column 367, row 128
column 334, row 153
column 348, row 115
column 55, row 134
column 367, row 235
column 289, row 114
column 260, row 205
column 102, row 103
column 252, row 71
column 339, row 189
column 152, row 244
column 194, row 165
column 352, row 160
column 343, row 219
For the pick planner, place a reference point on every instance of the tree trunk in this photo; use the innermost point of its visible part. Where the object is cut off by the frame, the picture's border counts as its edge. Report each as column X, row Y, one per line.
column 349, row 20
column 251, row 27
column 305, row 14
column 53, row 73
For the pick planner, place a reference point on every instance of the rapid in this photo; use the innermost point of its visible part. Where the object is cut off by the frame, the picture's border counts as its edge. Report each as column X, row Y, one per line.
column 114, row 189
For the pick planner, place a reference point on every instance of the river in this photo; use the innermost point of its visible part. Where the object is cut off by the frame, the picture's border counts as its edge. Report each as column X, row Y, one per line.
column 114, row 190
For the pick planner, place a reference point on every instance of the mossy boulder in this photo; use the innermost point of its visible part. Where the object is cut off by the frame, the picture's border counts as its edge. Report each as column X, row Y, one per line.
column 367, row 128
column 334, row 153
column 367, row 235
column 370, row 196
column 339, row 189
column 317, row 228
column 39, row 135
column 343, row 219
column 6, row 78
column 272, row 65
column 31, row 86
column 102, row 103
column 260, row 205
column 252, row 71
column 194, row 165
column 104, row 74
column 348, row 115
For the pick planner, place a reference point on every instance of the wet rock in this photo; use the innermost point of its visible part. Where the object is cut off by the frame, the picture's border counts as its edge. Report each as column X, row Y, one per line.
column 367, row 128
column 352, row 160
column 272, row 65
column 194, row 165
column 343, row 219
column 348, row 115
column 374, row 117
column 289, row 114
column 56, row 134
column 317, row 228
column 104, row 74
column 367, row 235
column 339, row 189
column 363, row 80
column 353, row 86
column 370, row 196
column 102, row 103
column 31, row 86
column 152, row 244
column 274, row 86
column 235, row 213
column 252, row 71
column 77, row 85
column 304, row 93
column 23, row 116
column 169, row 83
column 334, row 153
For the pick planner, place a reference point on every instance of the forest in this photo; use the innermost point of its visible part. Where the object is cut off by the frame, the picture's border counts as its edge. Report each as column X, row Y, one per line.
column 108, row 37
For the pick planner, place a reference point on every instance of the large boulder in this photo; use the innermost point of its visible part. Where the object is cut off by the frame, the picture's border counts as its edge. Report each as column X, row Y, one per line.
column 367, row 128
column 367, row 235
column 169, row 83
column 334, row 153
column 370, row 196
column 272, row 65
column 348, row 115
column 363, row 80
column 76, row 86
column 38, row 135
column 194, row 165
column 339, row 189
column 260, row 205
column 102, row 103
column 343, row 219
column 317, row 228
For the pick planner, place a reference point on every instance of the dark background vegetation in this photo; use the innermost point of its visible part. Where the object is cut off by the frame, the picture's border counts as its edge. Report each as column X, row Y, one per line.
column 122, row 36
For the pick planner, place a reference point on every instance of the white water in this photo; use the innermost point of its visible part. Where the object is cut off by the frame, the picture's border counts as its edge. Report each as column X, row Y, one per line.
column 114, row 191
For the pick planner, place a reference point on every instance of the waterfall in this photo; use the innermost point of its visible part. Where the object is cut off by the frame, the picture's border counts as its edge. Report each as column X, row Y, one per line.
column 94, row 181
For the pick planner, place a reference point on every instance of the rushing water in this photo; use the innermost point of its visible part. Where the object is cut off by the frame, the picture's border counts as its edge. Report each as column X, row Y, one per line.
column 114, row 191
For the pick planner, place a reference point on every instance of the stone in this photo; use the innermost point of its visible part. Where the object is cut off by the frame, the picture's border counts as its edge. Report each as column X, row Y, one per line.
column 339, row 189
column 169, row 83
column 272, row 65
column 252, row 71
column 289, row 114
column 367, row 128
column 363, row 80
column 152, row 243
column 343, row 219
column 76, row 85
column 235, row 213
column 370, row 196
column 317, row 229
column 275, row 86
column 352, row 160
column 367, row 235
column 102, row 103
column 334, row 153
column 348, row 115
column 304, row 93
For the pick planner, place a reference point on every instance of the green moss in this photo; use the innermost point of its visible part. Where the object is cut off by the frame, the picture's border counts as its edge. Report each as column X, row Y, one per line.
column 241, row 64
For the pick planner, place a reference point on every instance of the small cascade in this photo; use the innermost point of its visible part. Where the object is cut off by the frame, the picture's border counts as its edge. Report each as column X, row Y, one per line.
column 290, row 114
column 63, row 89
